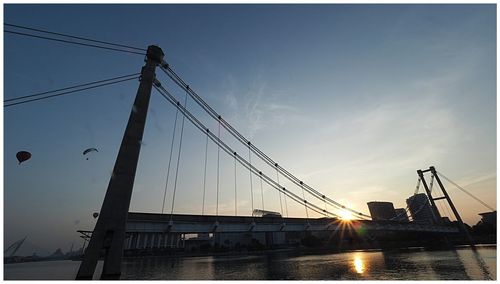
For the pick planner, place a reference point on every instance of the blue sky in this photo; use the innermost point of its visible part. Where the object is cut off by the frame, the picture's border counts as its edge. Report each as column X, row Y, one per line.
column 353, row 99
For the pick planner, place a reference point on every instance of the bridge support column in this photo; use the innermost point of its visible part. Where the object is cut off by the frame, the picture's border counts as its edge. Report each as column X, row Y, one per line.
column 109, row 232
column 435, row 212
column 452, row 206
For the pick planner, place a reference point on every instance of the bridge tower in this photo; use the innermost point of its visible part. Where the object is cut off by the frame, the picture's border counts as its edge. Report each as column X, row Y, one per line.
column 436, row 217
column 109, row 231
column 448, row 199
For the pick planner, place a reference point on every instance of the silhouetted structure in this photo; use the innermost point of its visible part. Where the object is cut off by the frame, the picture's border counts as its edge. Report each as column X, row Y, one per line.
column 265, row 213
column 445, row 221
column 57, row 254
column 381, row 210
column 420, row 208
column 109, row 231
column 401, row 215
column 489, row 218
column 487, row 226
column 151, row 234
column 14, row 247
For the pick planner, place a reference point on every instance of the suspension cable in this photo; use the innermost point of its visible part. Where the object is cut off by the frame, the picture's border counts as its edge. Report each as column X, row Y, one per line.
column 74, row 37
column 72, row 42
column 250, row 172
column 308, row 188
column 468, row 193
column 448, row 213
column 166, row 95
column 66, row 93
column 305, row 201
column 170, row 73
column 205, row 174
column 218, row 165
column 261, row 191
column 235, row 187
column 69, row 88
column 279, row 192
column 178, row 159
column 284, row 197
column 286, row 205
column 169, row 161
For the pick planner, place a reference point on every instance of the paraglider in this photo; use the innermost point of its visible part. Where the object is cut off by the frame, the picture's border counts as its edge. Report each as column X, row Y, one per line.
column 23, row 156
column 89, row 150
column 95, row 215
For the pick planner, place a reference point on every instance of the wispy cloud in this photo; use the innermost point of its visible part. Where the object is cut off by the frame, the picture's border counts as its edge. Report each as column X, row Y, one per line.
column 258, row 106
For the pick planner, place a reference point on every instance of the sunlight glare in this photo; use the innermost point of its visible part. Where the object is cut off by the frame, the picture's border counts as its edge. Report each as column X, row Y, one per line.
column 359, row 265
column 346, row 215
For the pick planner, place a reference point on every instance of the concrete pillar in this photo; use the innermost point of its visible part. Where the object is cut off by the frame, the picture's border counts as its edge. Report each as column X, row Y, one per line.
column 149, row 238
column 133, row 243
column 157, row 241
column 140, row 239
column 163, row 242
column 109, row 232
column 127, row 242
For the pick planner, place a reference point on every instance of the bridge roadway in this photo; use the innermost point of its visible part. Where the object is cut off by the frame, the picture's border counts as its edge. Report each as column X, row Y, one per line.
column 191, row 224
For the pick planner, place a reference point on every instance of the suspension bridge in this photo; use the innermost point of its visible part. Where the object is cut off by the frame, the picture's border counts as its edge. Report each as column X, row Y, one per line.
column 116, row 224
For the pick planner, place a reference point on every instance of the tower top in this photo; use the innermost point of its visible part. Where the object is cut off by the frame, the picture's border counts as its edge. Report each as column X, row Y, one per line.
column 155, row 54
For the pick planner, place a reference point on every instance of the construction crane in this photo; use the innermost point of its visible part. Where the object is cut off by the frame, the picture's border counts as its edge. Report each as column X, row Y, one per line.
column 15, row 247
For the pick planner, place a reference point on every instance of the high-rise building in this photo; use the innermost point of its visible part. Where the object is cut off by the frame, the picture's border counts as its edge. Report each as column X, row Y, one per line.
column 401, row 215
column 420, row 209
column 489, row 218
column 381, row 210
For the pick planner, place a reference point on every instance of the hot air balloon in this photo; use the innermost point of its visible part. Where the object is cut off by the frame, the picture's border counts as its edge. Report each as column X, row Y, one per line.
column 89, row 150
column 23, row 156
column 95, row 215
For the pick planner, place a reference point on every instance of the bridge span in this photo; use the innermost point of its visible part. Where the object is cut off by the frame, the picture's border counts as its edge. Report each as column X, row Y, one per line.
column 193, row 224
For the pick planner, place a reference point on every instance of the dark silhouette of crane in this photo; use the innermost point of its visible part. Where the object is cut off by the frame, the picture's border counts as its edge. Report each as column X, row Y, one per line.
column 15, row 247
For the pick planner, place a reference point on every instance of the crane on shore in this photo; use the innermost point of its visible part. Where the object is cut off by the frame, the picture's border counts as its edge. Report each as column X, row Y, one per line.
column 14, row 247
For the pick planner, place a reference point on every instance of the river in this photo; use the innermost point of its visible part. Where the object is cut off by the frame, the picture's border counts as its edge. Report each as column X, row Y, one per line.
column 410, row 264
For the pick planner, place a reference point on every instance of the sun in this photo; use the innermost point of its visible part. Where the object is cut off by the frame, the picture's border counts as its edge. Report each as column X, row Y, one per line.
column 346, row 215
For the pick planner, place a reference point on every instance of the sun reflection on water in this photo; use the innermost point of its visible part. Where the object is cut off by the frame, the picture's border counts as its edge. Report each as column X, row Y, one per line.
column 359, row 266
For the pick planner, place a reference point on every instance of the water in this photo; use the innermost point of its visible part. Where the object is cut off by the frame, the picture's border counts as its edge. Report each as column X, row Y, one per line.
column 415, row 264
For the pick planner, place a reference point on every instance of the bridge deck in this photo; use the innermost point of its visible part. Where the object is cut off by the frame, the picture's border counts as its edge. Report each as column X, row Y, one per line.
column 184, row 223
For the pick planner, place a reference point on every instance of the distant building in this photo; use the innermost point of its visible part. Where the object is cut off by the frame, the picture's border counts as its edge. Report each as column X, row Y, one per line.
column 420, row 209
column 401, row 215
column 489, row 218
column 381, row 210
column 265, row 213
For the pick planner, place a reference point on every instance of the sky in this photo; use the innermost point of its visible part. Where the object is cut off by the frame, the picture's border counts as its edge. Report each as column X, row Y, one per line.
column 352, row 99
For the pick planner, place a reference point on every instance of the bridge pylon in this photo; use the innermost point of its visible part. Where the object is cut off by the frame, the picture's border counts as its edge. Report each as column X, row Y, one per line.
column 109, row 231
column 448, row 199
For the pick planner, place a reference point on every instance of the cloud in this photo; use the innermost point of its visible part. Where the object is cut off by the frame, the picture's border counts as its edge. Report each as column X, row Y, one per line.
column 390, row 136
column 372, row 151
column 257, row 107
